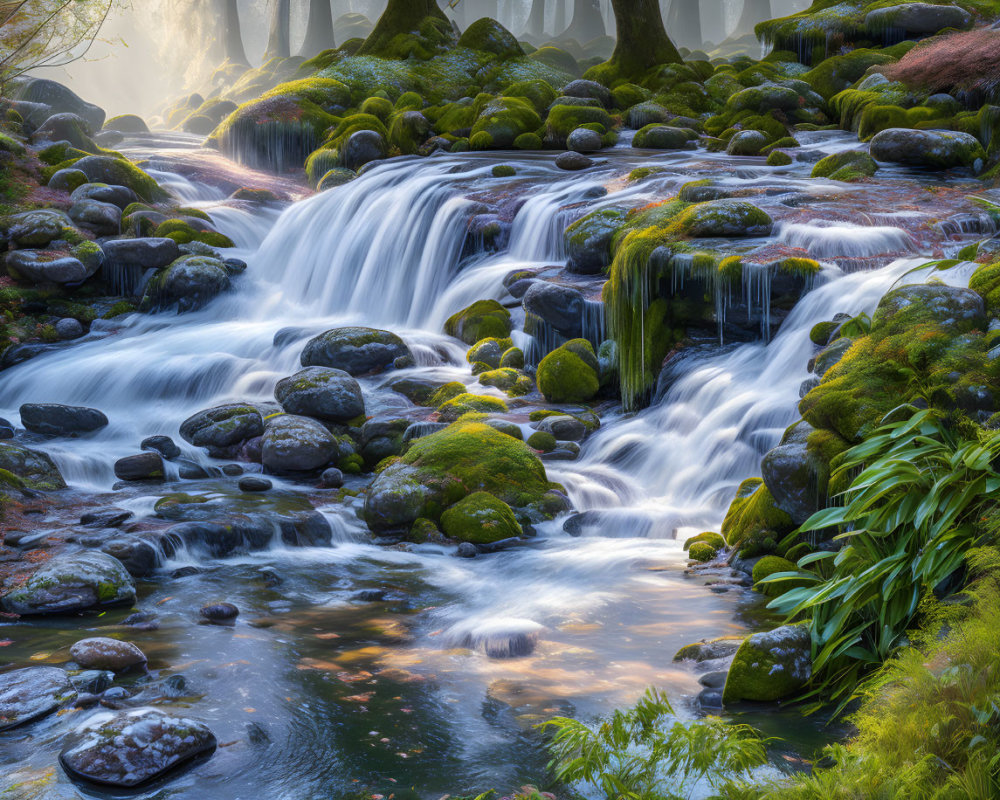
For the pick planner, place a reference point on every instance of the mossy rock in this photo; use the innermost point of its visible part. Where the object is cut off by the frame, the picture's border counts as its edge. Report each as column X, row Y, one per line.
column 503, row 119
column 771, row 565
column 447, row 392
column 701, row 551
column 69, row 584
column 467, row 403
column 503, row 379
column 120, row 172
column 569, row 374
column 503, row 171
column 512, row 358
column 489, row 36
column 482, row 320
column 378, row 107
column 183, row 233
column 778, row 158
column 723, row 218
column 481, row 519
column 538, row 92
column 408, row 130
column 562, row 120
column 32, row 469
column 986, row 282
column 850, row 165
column 753, row 515
column 543, row 441
column 589, row 239
column 657, row 136
column 488, row 351
column 715, row 540
column 320, row 163
column 770, row 666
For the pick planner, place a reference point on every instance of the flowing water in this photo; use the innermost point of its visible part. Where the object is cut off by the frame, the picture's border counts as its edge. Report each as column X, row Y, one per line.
column 320, row 690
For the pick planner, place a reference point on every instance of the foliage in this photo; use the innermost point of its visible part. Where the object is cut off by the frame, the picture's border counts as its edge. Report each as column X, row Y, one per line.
column 645, row 753
column 907, row 521
column 967, row 61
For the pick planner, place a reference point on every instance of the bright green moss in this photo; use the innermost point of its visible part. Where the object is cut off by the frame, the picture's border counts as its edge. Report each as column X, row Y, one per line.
column 543, row 441
column 710, row 538
column 480, row 518
column 753, row 515
column 503, row 379
column 466, row 403
column 770, row 565
column 483, row 319
column 504, row 119
column 538, row 92
column 986, row 281
column 447, row 392
column 701, row 551
column 563, row 120
column 778, row 158
column 319, row 163
column 377, row 107
column 567, row 375
column 182, row 232
column 504, row 171
column 849, row 165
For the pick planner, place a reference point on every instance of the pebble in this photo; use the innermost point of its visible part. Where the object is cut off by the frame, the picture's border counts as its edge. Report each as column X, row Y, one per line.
column 253, row 483
column 220, row 612
column 331, row 478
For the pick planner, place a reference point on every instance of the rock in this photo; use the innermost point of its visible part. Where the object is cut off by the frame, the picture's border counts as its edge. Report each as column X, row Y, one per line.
column 296, row 444
column 559, row 306
column 118, row 196
column 713, row 680
column 363, row 147
column 829, row 356
column 323, row 393
column 68, row 329
column 33, row 468
column 50, row 266
column 770, row 666
column 918, row 18
column 66, row 180
column 483, row 319
column 70, row 583
column 709, row 650
column 163, row 445
column 118, row 172
column 487, row 351
column 38, row 228
column 331, row 478
column 957, row 309
column 126, row 123
column 662, row 137
column 747, row 143
column 563, row 427
column 467, row 550
column 6, row 429
column 725, row 218
column 584, row 140
column 764, row 98
column 357, row 351
column 54, row 419
column 30, row 693
column 573, row 162
column 190, row 282
column 591, row 89
column 65, row 127
column 223, row 427
column 129, row 748
column 142, row 467
column 335, row 177
column 103, row 653
column 139, row 557
column 58, row 98
column 480, row 518
column 646, row 113
column 254, row 483
column 928, row 149
column 795, row 477
column 146, row 253
column 220, row 612
column 588, row 241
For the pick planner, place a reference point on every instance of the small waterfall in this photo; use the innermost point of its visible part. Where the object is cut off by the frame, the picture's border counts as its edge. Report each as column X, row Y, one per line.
column 845, row 240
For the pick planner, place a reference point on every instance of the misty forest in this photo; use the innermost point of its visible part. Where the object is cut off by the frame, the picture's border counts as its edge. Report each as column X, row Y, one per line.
column 499, row 399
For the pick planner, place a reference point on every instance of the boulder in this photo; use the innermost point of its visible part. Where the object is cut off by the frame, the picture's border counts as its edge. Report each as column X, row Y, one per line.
column 37, row 228
column 646, row 113
column 118, row 172
column 102, row 219
column 709, row 649
column 480, row 518
column 129, row 748
column 560, row 306
column 163, row 445
column 101, row 652
column 189, row 283
column 222, row 427
column 747, row 143
column 65, row 127
column 50, row 266
column 146, row 253
column 588, row 240
column 140, row 467
column 725, row 218
column 119, row 196
column 71, row 583
column 584, row 140
column 956, row 309
column 357, row 351
column 918, row 18
column 573, row 162
column 55, row 419
column 30, row 693
column 68, row 329
column 67, row 180
column 321, row 392
column 589, row 89
column 219, row 612
column 795, row 477
column 661, row 137
column 564, row 427
column 33, row 468
column 483, row 319
column 569, row 374
column 770, row 666
column 928, row 149
column 363, row 147
column 58, row 98
column 296, row 444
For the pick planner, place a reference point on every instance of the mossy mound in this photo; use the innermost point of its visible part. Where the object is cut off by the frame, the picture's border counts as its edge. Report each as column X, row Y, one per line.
column 569, row 374
column 754, row 524
column 489, row 36
column 183, row 232
column 715, row 540
column 501, row 121
column 849, row 166
column 770, row 666
column 771, row 565
column 466, row 403
column 483, row 319
column 481, row 519
column 701, row 551
column 562, row 120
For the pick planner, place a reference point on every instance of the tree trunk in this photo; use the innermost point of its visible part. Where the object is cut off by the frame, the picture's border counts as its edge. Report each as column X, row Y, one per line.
column 754, row 11
column 684, row 23
column 713, row 21
column 559, row 23
column 536, row 19
column 279, row 43
column 232, row 34
column 319, row 29
column 587, row 22
column 642, row 41
column 400, row 16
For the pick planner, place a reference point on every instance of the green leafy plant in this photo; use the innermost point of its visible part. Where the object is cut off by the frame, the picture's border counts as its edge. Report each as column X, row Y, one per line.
column 646, row 753
column 907, row 522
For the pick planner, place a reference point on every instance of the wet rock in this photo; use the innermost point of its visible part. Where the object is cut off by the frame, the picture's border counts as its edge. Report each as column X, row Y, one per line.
column 363, row 147
column 829, row 356
column 220, row 612
column 381, row 438
column 323, row 393
column 34, row 468
column 710, row 699
column 222, row 427
column 37, row 228
column 139, row 557
column 102, row 219
column 254, row 483
column 66, row 180
column 44, row 266
column 190, row 282
column 141, row 467
column 57, row 99
column 296, row 444
column 564, row 428
column 147, row 253
column 573, row 162
column 6, row 429
column 163, row 445
column 928, row 149
column 589, row 89
column 132, row 747
column 918, row 18
column 27, row 694
column 101, row 652
column 726, row 218
column 713, row 680
column 54, row 419
column 118, row 196
column 70, row 583
column 355, row 350
column 559, row 306
column 584, row 140
column 709, row 649
column 770, row 666
column 467, row 550
column 105, row 517
column 190, row 471
column 92, row 681
column 68, row 329
column 331, row 478
column 662, row 137
column 747, row 143
column 956, row 309
column 795, row 477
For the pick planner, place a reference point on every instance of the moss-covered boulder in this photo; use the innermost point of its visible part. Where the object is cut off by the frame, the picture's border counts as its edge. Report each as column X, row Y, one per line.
column 501, row 121
column 68, row 584
column 772, row 565
column 770, row 666
column 489, row 36
column 588, row 240
column 710, row 538
column 701, row 551
column 662, row 137
column 222, row 428
column 25, row 468
column 754, row 524
column 120, row 172
column 481, row 519
column 929, row 149
column 747, row 143
column 440, row 469
column 468, row 403
column 724, row 218
column 188, row 284
column 570, row 373
column 488, row 351
column 356, row 351
column 848, row 165
column 483, row 319
column 563, row 119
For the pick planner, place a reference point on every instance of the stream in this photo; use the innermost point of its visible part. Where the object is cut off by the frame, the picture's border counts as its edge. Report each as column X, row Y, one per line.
column 363, row 666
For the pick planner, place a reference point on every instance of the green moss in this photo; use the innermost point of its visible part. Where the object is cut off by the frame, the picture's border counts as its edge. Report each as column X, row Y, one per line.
column 710, row 538
column 512, row 358
column 564, row 119
column 320, row 162
column 182, row 232
column 778, row 158
column 377, row 107
column 8, row 144
column 849, row 165
column 528, row 141
column 466, row 402
column 770, row 565
column 483, row 319
column 837, row 73
column 503, row 379
column 503, row 119
column 569, row 374
column 986, row 281
column 769, row 666
column 480, row 518
column 447, row 392
column 538, row 92
column 821, row 332
column 542, row 441
column 701, row 551
column 753, row 517
column 504, row 171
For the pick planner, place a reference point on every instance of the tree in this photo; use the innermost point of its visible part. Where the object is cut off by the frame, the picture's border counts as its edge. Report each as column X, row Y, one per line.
column 402, row 17
column 684, row 22
column 754, row 11
column 642, row 40
column 279, row 43
column 232, row 34
column 319, row 29
column 587, row 24
column 47, row 33
column 536, row 19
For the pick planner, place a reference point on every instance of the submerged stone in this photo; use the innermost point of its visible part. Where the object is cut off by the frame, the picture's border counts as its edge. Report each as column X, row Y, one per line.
column 30, row 693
